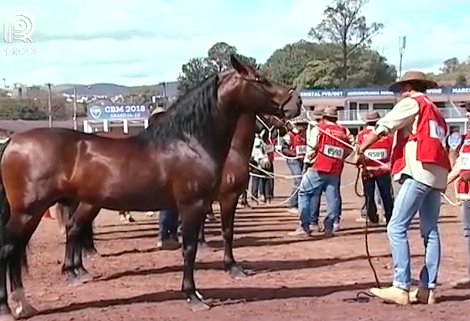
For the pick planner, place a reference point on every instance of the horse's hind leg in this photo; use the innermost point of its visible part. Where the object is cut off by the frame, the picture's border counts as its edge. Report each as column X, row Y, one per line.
column 228, row 205
column 79, row 237
column 192, row 218
column 20, row 228
column 202, row 232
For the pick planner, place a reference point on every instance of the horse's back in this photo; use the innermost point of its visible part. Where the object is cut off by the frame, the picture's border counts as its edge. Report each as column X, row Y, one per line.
column 113, row 134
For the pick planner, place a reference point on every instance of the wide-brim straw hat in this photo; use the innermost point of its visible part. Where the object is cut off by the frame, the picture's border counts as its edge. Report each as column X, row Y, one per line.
column 413, row 77
column 158, row 110
column 301, row 119
column 317, row 113
column 330, row 111
column 372, row 116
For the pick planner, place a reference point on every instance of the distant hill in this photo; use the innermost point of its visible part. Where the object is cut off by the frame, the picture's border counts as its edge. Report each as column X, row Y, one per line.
column 110, row 89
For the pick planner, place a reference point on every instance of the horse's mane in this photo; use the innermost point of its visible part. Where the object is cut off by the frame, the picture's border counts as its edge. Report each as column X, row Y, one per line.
column 191, row 115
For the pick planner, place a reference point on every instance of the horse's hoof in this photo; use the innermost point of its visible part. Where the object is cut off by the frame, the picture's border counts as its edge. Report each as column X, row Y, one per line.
column 93, row 254
column 237, row 272
column 197, row 305
column 73, row 280
column 25, row 311
column 131, row 219
column 202, row 244
column 7, row 317
column 84, row 277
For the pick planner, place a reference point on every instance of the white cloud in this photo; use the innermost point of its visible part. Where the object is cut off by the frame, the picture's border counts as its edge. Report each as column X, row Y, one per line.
column 143, row 41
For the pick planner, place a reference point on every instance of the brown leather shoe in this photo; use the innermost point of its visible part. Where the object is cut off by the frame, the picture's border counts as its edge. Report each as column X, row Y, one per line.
column 422, row 296
column 392, row 295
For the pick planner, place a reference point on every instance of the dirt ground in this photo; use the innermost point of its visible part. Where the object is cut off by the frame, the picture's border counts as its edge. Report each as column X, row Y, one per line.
column 293, row 279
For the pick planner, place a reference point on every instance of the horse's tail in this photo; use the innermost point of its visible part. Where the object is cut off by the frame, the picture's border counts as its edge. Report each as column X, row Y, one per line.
column 15, row 256
column 4, row 205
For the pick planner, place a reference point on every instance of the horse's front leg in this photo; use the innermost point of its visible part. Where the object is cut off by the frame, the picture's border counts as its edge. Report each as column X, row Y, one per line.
column 228, row 206
column 192, row 218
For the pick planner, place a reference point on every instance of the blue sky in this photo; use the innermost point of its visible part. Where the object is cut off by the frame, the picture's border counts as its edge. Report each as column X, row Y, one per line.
column 146, row 41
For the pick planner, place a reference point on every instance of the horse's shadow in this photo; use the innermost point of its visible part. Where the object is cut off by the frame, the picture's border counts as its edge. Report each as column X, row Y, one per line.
column 264, row 266
column 219, row 297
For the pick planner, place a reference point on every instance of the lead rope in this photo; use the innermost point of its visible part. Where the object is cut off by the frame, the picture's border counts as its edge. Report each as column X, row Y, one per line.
column 362, row 295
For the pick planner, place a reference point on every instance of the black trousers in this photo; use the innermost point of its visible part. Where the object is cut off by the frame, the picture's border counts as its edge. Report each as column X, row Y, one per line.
column 384, row 184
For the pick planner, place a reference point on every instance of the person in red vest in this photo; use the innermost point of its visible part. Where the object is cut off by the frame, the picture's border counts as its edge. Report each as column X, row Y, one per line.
column 461, row 172
column 420, row 164
column 294, row 148
column 267, row 183
column 327, row 159
column 376, row 174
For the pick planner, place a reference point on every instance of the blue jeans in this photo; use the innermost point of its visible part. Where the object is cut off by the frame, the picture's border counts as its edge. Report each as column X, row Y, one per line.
column 315, row 209
column 168, row 224
column 295, row 167
column 256, row 183
column 313, row 184
column 413, row 197
column 466, row 230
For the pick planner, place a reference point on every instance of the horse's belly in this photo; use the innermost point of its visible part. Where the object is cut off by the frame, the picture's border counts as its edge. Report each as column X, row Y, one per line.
column 132, row 199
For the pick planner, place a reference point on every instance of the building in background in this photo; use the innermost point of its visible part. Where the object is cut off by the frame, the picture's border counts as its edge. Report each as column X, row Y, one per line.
column 354, row 103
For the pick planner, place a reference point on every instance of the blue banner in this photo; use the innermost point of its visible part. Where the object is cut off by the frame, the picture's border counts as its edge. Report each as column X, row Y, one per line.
column 378, row 92
column 117, row 112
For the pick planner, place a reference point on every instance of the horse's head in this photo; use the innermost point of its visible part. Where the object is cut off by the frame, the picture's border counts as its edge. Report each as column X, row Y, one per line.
column 249, row 90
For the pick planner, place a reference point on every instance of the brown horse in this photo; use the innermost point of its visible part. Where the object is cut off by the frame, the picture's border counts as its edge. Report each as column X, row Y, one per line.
column 124, row 215
column 234, row 181
column 176, row 163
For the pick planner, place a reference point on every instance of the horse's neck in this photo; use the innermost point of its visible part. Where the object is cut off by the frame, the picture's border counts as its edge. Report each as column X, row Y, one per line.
column 244, row 135
column 224, row 125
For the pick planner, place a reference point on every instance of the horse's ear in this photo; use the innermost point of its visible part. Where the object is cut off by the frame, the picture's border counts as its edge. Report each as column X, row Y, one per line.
column 241, row 67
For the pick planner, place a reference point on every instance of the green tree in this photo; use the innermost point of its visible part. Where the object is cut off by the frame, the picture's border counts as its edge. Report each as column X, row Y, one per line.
column 450, row 65
column 286, row 64
column 453, row 72
column 461, row 80
column 219, row 55
column 217, row 60
column 195, row 71
column 319, row 73
column 345, row 25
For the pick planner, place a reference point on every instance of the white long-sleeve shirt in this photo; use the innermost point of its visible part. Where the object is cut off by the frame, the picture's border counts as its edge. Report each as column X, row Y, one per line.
column 404, row 116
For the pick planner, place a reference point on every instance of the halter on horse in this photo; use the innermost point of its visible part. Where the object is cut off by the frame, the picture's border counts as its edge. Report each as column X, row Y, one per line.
column 176, row 163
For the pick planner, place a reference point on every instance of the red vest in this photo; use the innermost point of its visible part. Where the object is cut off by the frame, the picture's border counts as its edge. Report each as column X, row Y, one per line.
column 431, row 130
column 297, row 143
column 380, row 150
column 462, row 189
column 330, row 152
column 270, row 145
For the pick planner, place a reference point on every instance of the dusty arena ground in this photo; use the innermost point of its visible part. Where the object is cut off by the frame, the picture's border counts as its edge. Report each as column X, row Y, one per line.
column 293, row 279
